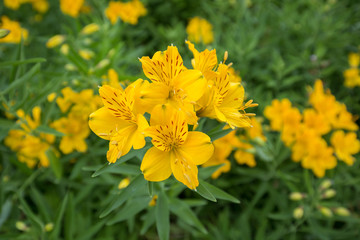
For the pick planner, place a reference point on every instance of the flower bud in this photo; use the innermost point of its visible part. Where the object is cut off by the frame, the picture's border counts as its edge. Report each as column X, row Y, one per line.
column 49, row 227
column 326, row 212
column 103, row 63
column 70, row 67
column 325, row 184
column 55, row 41
column 124, row 183
column 4, row 32
column 86, row 54
column 153, row 201
column 341, row 211
column 90, row 28
column 21, row 226
column 64, row 49
column 51, row 97
column 328, row 194
column 298, row 212
column 296, row 196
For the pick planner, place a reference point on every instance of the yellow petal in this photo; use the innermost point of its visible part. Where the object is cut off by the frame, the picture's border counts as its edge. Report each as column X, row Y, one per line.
column 235, row 97
column 184, row 170
column 156, row 165
column 198, row 146
column 192, row 82
column 104, row 124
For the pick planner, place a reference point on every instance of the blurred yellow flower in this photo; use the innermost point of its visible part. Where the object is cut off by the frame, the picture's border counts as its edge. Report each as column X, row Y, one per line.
column 41, row 6
column 200, row 30
column 71, row 7
column 175, row 149
column 345, row 145
column 16, row 32
column 75, row 130
column 242, row 154
column 276, row 111
column 51, row 97
column 118, row 122
column 55, row 41
column 86, row 54
column 354, row 60
column 127, row 11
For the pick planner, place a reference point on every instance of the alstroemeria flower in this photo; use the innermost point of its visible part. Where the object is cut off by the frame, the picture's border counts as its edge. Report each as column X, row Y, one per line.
column 175, row 150
column 118, row 122
column 172, row 82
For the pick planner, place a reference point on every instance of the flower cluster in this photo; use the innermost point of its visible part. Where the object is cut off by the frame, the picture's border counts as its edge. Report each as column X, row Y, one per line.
column 77, row 107
column 200, row 30
column 128, row 12
column 40, row 6
column 351, row 75
column 16, row 32
column 305, row 132
column 175, row 97
column 31, row 147
column 240, row 143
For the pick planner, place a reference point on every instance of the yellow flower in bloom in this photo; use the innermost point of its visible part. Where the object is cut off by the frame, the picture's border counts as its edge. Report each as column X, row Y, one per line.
column 316, row 121
column 175, row 149
column 29, row 148
column 256, row 130
column 127, row 11
column 276, row 111
column 112, row 79
column 200, row 30
column 13, row 4
column 234, row 76
column 118, row 122
column 65, row 102
column 55, row 41
column 352, row 77
column 71, row 7
column 16, row 32
column 75, row 130
column 243, row 156
column 204, row 61
column 345, row 145
column 41, row 6
column 172, row 83
column 319, row 158
column 90, row 29
column 224, row 100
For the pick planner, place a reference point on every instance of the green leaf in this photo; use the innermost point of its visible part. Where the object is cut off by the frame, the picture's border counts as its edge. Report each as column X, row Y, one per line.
column 218, row 193
column 5, row 211
column 48, row 130
column 130, row 209
column 55, row 163
column 129, row 169
column 219, row 133
column 162, row 217
column 22, row 79
column 20, row 62
column 183, row 211
column 204, row 192
column 206, row 172
column 27, row 210
column 127, row 193
column 59, row 217
column 149, row 220
column 150, row 188
column 130, row 155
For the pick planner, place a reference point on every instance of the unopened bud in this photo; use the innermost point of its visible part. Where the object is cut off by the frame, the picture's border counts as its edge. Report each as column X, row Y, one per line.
column 6, row 178
column 88, row 41
column 64, row 49
column 51, row 97
column 325, row 184
column 103, row 63
column 70, row 67
column 341, row 211
column 55, row 41
column 111, row 53
column 21, row 226
column 4, row 32
column 153, row 201
column 86, row 54
column 326, row 211
column 49, row 227
column 90, row 28
column 329, row 193
column 298, row 212
column 124, row 183
column 297, row 196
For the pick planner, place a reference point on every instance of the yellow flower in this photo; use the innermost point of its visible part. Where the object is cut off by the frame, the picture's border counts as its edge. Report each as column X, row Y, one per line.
column 16, row 32
column 172, row 83
column 41, row 6
column 316, row 121
column 345, row 145
column 204, row 61
column 112, row 79
column 55, row 41
column 243, row 154
column 51, row 97
column 90, row 29
column 118, row 122
column 352, row 77
column 276, row 111
column 75, row 130
column 234, row 76
column 128, row 12
column 354, row 60
column 256, row 130
column 319, row 158
column 71, row 7
column 224, row 100
column 175, row 149
column 200, row 30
